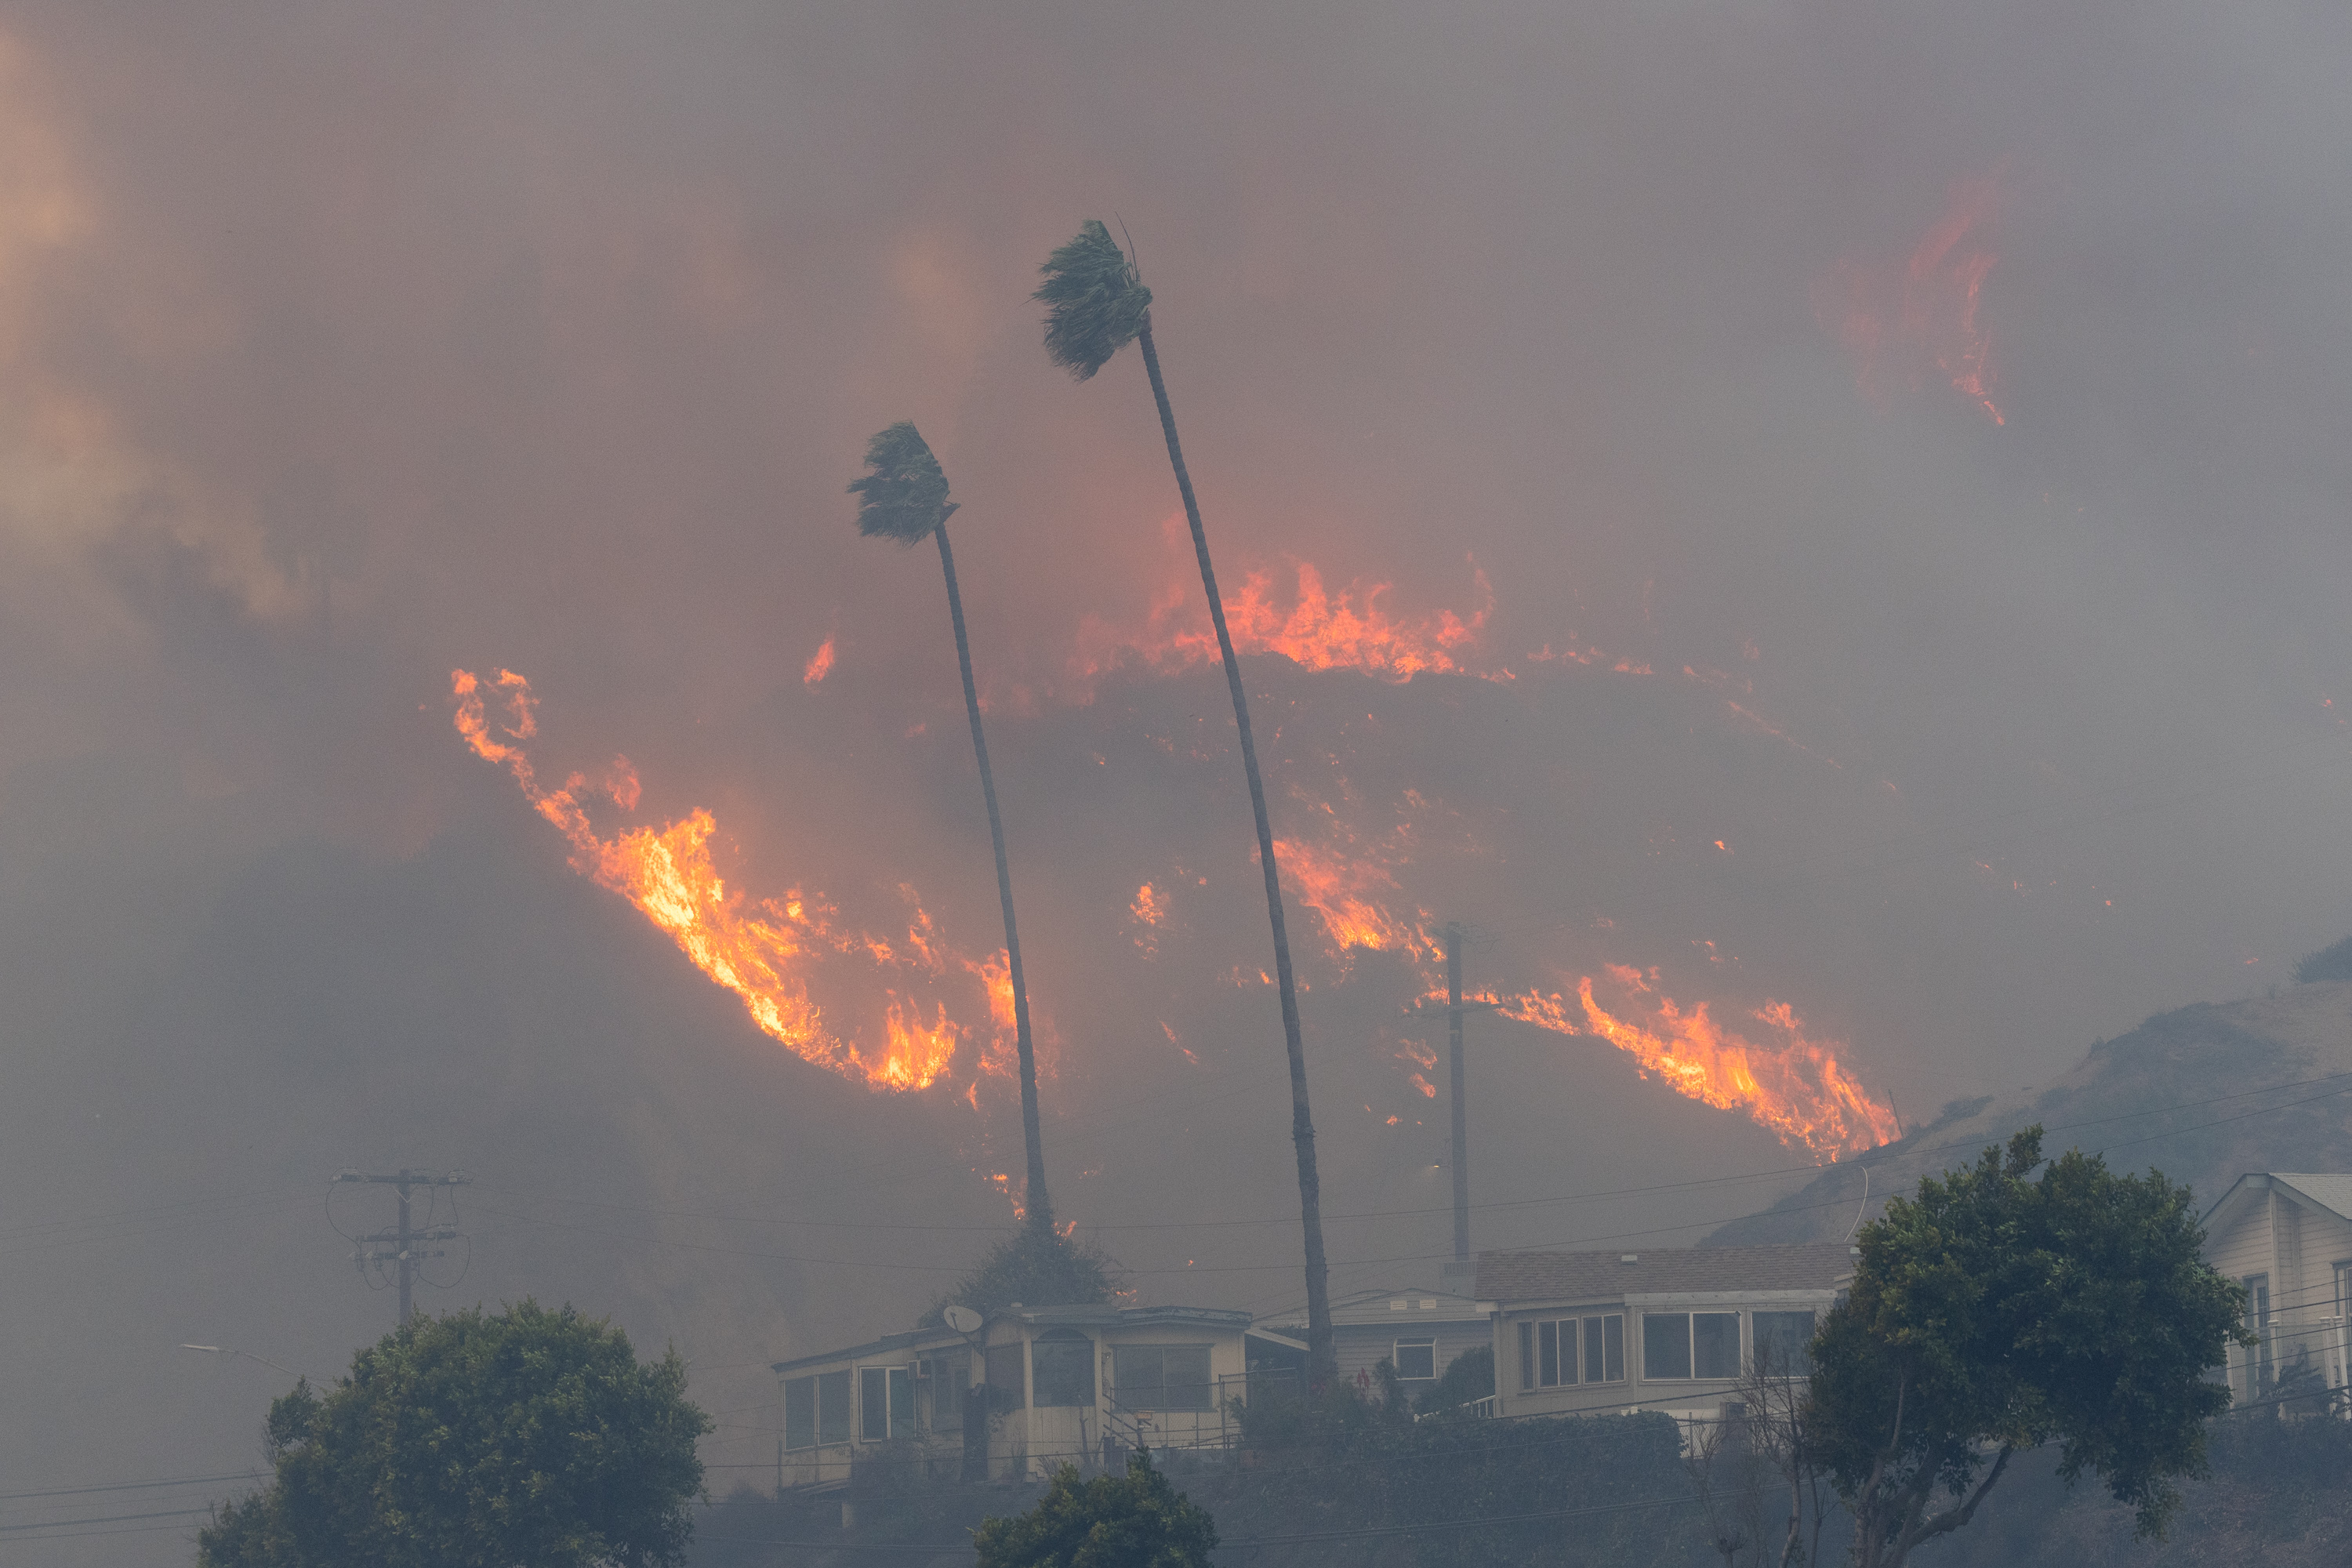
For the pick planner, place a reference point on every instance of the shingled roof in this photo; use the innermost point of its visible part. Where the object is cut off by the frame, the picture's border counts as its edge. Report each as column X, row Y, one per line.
column 1509, row 1277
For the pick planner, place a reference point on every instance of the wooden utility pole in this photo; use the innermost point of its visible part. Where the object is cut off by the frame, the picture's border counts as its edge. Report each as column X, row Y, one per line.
column 403, row 1246
column 1461, row 1106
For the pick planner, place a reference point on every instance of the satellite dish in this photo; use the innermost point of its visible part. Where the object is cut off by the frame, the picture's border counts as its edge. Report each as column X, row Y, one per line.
column 963, row 1320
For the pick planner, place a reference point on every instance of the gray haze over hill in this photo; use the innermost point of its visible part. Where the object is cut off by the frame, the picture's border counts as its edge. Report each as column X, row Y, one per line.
column 342, row 346
column 2204, row 1094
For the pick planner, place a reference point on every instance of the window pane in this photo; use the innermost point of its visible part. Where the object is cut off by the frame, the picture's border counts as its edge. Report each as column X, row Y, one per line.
column 1715, row 1344
column 1547, row 1339
column 1188, row 1384
column 1596, row 1364
column 1615, row 1325
column 1005, row 1383
column 1138, row 1382
column 873, row 1405
column 1416, row 1358
column 902, row 1400
column 1526, row 1355
column 1784, row 1343
column 1062, row 1371
column 800, row 1413
column 949, row 1376
column 833, row 1407
column 1665, row 1344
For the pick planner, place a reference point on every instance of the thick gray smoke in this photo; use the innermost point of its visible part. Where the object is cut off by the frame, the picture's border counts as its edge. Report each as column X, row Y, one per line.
column 343, row 346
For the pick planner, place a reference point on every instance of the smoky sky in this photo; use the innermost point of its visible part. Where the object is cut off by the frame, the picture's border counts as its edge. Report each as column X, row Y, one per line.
column 344, row 345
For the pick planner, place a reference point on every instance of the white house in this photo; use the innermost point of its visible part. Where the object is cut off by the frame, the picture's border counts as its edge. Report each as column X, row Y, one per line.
column 1419, row 1331
column 1039, row 1386
column 2286, row 1236
column 1661, row 1329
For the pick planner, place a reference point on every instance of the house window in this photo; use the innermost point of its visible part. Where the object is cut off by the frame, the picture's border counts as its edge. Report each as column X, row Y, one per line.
column 1008, row 1389
column 1715, row 1344
column 800, row 1413
column 832, row 1408
column 1061, row 1368
column 1689, row 1345
column 1665, row 1345
column 1784, row 1342
column 2258, row 1318
column 1416, row 1358
column 1548, row 1352
column 948, row 1376
column 1161, row 1377
column 1605, row 1348
column 886, row 1400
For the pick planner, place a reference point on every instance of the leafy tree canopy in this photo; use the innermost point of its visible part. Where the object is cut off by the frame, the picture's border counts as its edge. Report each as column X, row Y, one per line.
column 1037, row 1266
column 1134, row 1521
column 1095, row 302
column 1992, row 1313
column 904, row 496
column 467, row 1441
column 1468, row 1378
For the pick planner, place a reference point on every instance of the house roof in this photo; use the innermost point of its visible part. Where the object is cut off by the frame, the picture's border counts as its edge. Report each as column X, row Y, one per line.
column 1078, row 1316
column 2325, row 1190
column 1505, row 1278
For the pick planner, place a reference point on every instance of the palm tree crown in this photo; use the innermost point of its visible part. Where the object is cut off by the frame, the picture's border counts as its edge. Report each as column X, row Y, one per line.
column 1095, row 302
column 904, row 499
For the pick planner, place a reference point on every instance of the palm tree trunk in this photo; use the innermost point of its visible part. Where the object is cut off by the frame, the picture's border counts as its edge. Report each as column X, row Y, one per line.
column 1322, row 1363
column 1037, row 1206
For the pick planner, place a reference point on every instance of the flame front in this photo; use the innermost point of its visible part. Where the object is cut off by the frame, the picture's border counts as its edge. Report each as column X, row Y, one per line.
column 1926, row 317
column 764, row 950
column 1320, row 630
column 1796, row 1088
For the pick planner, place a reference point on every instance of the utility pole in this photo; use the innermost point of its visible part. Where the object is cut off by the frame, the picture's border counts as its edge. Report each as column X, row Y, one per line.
column 1461, row 1105
column 403, row 1246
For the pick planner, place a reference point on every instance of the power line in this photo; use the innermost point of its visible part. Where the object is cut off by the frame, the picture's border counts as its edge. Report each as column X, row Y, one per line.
column 402, row 1249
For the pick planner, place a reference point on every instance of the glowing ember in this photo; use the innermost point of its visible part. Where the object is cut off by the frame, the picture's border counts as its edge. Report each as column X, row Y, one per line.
column 1925, row 318
column 1146, row 912
column 1796, row 1087
column 765, row 950
column 820, row 664
column 1320, row 630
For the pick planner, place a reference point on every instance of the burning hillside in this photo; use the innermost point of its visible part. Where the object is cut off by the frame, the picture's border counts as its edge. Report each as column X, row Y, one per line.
column 766, row 950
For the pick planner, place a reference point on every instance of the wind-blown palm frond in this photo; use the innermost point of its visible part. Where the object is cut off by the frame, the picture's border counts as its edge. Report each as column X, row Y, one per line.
column 905, row 498
column 1094, row 301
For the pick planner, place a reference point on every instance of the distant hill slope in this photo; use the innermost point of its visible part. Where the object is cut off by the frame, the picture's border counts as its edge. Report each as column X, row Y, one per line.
column 2202, row 1094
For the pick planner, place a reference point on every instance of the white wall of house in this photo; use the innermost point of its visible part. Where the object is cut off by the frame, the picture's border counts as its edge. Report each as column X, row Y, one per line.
column 1720, row 1325
column 2284, row 1237
column 1072, row 1376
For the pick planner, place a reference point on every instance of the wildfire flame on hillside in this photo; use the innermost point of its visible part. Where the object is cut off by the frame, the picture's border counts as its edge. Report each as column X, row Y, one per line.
column 1926, row 317
column 1320, row 630
column 765, row 950
column 1796, row 1088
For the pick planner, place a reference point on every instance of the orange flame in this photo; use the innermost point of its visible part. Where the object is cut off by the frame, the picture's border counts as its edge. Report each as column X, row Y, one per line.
column 820, row 664
column 762, row 950
column 1345, row 888
column 1927, row 318
column 1147, row 912
column 1320, row 630
column 1797, row 1089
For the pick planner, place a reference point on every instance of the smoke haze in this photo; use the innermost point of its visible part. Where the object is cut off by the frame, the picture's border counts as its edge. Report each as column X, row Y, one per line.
column 1883, row 466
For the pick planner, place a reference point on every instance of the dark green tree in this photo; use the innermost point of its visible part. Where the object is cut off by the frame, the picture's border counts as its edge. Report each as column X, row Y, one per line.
column 904, row 498
column 469, row 1441
column 1134, row 1521
column 1036, row 1267
column 1096, row 304
column 1994, row 1312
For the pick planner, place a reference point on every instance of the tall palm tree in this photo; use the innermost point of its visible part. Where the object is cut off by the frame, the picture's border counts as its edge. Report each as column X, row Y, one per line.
column 1095, row 303
column 904, row 497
